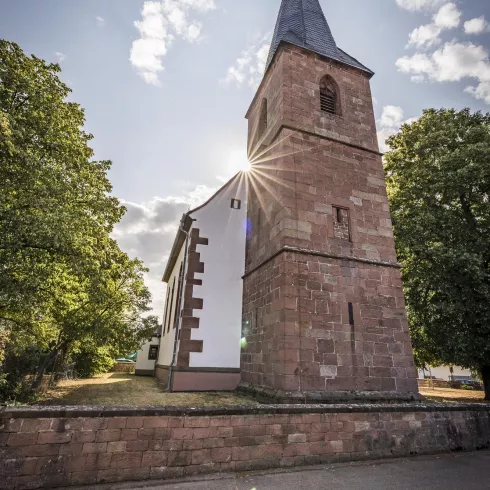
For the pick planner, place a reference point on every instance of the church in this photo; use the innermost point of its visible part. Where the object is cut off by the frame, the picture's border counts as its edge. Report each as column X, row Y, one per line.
column 286, row 282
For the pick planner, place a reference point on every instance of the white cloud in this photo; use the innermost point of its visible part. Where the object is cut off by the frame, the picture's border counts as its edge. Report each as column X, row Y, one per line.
column 476, row 26
column 61, row 56
column 454, row 61
column 451, row 63
column 162, row 22
column 391, row 116
column 416, row 5
column 425, row 36
column 249, row 67
column 481, row 91
column 147, row 231
column 447, row 17
column 100, row 21
column 390, row 122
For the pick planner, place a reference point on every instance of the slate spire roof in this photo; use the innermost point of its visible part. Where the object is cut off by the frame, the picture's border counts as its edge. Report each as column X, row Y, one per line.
column 302, row 23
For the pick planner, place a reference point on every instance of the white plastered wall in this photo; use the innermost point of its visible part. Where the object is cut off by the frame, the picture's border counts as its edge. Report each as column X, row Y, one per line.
column 142, row 361
column 222, row 283
column 168, row 337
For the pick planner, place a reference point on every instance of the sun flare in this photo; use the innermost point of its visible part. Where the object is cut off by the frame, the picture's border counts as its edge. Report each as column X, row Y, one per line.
column 238, row 162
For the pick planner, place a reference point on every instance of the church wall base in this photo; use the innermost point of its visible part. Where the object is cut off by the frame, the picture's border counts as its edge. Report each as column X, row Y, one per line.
column 266, row 395
column 199, row 379
column 144, row 372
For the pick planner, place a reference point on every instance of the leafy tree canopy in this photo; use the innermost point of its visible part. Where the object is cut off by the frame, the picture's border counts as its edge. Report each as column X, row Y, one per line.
column 438, row 174
column 63, row 280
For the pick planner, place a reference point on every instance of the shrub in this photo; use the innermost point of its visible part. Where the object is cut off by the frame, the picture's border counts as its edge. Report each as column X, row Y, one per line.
column 16, row 373
column 91, row 361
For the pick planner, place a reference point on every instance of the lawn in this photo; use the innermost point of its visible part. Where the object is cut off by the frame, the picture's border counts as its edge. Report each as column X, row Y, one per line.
column 447, row 395
column 123, row 389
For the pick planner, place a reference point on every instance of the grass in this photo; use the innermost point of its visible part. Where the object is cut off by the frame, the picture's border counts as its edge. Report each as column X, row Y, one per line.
column 124, row 389
column 448, row 395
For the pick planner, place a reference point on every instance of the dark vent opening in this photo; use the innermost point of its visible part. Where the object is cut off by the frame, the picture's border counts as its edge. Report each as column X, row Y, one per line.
column 328, row 101
column 351, row 314
column 263, row 121
column 339, row 215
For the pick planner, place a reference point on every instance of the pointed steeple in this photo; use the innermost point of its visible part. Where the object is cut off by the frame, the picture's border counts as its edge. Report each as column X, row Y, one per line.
column 302, row 23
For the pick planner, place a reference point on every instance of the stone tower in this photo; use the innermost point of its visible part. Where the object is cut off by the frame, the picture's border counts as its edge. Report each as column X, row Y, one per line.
column 324, row 315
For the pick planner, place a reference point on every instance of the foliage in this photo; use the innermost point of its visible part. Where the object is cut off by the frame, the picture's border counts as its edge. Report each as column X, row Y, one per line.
column 64, row 281
column 19, row 362
column 439, row 185
column 3, row 345
column 90, row 360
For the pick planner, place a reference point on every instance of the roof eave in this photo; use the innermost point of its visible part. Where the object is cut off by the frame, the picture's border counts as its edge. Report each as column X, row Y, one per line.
column 184, row 227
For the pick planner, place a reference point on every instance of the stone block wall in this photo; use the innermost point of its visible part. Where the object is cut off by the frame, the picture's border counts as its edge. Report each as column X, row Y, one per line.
column 53, row 447
column 298, row 331
column 124, row 367
column 323, row 304
column 302, row 73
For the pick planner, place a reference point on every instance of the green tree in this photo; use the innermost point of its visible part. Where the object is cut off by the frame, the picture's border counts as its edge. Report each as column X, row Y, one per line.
column 55, row 202
column 64, row 282
column 438, row 174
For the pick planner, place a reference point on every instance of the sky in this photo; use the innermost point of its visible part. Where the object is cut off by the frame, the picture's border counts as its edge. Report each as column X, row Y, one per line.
column 166, row 84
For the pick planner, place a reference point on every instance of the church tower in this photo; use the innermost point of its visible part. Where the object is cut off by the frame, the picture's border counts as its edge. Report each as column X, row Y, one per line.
column 323, row 312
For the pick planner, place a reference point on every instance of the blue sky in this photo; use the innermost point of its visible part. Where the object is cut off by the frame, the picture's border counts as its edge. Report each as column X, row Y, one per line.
column 166, row 84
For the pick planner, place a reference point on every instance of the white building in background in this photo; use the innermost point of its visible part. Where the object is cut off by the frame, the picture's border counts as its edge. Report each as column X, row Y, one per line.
column 148, row 356
column 200, row 350
column 444, row 373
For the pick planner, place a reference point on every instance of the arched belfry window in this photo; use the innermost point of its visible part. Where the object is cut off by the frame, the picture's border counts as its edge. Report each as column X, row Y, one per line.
column 329, row 96
column 263, row 118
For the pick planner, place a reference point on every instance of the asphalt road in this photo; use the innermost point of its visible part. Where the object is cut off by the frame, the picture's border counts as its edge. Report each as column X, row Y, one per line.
column 468, row 471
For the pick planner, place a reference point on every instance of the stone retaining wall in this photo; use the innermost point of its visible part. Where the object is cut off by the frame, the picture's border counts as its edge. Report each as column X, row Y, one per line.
column 50, row 447
column 124, row 367
column 432, row 383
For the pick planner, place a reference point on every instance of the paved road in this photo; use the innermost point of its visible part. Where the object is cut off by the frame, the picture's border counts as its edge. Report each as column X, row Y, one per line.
column 468, row 471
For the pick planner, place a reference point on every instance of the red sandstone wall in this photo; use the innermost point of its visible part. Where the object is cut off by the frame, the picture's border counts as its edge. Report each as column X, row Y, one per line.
column 70, row 448
column 302, row 72
column 299, row 337
column 296, row 307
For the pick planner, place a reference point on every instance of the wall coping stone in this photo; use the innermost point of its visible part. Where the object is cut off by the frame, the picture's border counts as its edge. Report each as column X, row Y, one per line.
column 154, row 411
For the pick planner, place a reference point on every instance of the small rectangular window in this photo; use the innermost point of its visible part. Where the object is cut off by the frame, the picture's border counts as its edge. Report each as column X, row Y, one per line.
column 153, row 353
column 341, row 223
column 236, row 204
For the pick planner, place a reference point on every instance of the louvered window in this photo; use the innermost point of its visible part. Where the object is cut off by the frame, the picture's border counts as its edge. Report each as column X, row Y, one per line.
column 328, row 98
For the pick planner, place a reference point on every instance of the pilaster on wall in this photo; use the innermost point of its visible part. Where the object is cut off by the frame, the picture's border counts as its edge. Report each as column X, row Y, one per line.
column 191, row 303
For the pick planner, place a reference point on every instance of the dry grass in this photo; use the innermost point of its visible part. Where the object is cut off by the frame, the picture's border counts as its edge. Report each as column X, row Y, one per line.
column 448, row 395
column 123, row 389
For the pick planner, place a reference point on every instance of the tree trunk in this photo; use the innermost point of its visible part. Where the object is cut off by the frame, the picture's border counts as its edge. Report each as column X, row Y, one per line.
column 485, row 374
column 36, row 383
